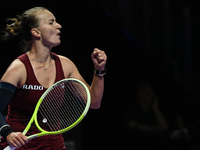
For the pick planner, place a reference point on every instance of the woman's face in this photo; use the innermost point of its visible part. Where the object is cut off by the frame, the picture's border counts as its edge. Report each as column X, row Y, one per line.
column 49, row 29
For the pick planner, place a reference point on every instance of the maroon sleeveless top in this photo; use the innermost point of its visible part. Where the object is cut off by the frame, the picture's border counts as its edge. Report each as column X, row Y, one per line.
column 23, row 103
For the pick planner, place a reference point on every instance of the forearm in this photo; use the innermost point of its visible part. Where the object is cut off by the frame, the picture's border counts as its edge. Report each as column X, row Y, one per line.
column 160, row 118
column 99, row 59
column 2, row 121
column 134, row 125
column 6, row 92
column 96, row 89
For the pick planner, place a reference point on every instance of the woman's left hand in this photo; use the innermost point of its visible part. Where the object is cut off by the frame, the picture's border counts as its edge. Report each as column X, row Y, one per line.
column 99, row 59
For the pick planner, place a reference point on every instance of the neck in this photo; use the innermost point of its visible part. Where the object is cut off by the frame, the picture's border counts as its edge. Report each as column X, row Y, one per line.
column 40, row 53
column 41, row 59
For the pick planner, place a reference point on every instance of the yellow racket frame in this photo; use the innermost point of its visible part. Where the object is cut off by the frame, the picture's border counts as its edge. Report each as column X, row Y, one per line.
column 34, row 116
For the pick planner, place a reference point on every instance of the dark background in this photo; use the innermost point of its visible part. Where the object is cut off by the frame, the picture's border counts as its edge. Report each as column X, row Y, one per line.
column 145, row 40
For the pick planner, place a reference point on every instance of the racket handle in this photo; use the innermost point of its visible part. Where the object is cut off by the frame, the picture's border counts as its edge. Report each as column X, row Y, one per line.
column 9, row 148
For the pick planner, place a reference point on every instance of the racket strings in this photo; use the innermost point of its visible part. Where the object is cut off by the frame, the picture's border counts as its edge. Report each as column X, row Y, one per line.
column 73, row 113
column 62, row 107
column 56, row 114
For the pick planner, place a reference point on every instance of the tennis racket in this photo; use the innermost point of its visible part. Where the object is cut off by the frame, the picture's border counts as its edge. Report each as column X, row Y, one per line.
column 60, row 108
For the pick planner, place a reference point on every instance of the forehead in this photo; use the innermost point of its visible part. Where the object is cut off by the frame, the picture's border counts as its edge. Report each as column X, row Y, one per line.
column 45, row 16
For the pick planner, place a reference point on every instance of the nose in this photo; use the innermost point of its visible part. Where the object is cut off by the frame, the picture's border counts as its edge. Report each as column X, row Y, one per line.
column 58, row 26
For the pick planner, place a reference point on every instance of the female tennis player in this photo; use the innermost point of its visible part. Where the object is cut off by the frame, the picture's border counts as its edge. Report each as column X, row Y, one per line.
column 28, row 77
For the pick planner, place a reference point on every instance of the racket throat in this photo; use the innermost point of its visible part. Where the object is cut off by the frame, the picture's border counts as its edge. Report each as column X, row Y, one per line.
column 24, row 132
column 29, row 125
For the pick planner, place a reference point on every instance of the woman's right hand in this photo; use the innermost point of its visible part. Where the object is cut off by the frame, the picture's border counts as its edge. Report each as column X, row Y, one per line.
column 16, row 139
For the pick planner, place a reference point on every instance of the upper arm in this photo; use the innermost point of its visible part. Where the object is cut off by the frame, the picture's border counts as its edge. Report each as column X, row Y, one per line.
column 15, row 74
column 70, row 69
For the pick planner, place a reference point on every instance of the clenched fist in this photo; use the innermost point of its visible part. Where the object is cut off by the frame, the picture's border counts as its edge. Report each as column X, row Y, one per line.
column 99, row 59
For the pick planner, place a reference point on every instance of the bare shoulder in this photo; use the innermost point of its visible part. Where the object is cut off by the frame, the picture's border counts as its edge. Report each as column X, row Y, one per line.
column 67, row 65
column 15, row 74
column 69, row 68
column 64, row 59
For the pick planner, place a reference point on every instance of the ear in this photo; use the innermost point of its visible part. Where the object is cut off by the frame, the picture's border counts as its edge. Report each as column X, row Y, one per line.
column 35, row 32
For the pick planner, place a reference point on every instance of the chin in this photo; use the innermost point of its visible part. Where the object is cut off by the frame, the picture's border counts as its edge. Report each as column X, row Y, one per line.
column 58, row 43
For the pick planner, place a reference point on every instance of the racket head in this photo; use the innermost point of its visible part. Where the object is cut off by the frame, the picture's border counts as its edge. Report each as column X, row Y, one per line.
column 62, row 107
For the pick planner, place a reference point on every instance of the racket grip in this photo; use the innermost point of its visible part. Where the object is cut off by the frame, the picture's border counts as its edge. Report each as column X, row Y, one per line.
column 9, row 148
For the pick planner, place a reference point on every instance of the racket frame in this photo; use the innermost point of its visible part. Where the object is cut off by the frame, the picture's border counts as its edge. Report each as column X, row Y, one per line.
column 34, row 116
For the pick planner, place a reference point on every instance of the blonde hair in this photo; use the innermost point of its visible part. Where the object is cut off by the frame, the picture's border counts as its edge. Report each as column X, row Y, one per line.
column 22, row 25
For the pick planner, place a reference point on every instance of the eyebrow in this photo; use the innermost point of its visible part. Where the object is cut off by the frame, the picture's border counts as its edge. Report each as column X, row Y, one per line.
column 51, row 19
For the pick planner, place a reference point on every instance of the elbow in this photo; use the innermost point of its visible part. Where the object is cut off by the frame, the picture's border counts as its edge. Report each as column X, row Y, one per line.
column 95, row 106
column 165, row 127
column 95, row 102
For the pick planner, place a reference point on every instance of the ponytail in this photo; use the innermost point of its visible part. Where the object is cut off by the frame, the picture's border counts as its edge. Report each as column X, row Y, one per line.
column 22, row 25
column 13, row 29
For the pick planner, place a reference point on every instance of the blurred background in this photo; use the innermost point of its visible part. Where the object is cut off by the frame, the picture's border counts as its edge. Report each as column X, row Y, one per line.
column 149, row 43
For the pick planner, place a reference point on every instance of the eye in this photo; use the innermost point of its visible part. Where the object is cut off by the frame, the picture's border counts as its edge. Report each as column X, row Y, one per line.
column 51, row 21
